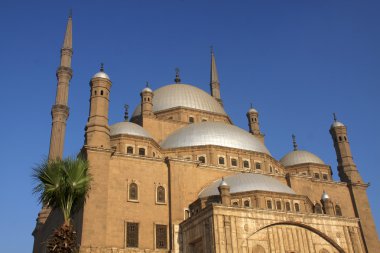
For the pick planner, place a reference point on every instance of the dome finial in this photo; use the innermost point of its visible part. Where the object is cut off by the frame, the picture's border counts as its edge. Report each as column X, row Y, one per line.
column 126, row 116
column 295, row 146
column 71, row 13
column 334, row 115
column 223, row 183
column 102, row 67
column 212, row 49
column 147, row 84
column 177, row 78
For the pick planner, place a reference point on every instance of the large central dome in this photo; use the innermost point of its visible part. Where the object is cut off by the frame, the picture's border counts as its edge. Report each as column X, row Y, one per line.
column 214, row 133
column 183, row 95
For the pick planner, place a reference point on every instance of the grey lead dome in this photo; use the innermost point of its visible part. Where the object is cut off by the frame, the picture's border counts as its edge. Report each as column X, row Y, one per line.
column 245, row 182
column 128, row 128
column 182, row 95
column 300, row 157
column 214, row 133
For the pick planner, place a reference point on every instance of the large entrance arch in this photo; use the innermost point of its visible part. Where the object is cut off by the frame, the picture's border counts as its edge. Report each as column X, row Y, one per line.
column 289, row 237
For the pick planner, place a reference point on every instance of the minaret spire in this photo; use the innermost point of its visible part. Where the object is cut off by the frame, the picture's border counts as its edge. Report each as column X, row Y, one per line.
column 214, row 79
column 60, row 110
column 295, row 146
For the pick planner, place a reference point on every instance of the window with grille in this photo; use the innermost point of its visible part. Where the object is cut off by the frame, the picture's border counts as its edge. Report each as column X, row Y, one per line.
column 161, row 237
column 133, row 191
column 221, row 160
column 129, row 150
column 160, row 194
column 258, row 166
column 132, row 235
column 246, row 164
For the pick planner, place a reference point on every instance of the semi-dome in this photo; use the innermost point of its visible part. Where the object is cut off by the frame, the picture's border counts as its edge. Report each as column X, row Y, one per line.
column 128, row 128
column 183, row 95
column 300, row 157
column 214, row 133
column 245, row 182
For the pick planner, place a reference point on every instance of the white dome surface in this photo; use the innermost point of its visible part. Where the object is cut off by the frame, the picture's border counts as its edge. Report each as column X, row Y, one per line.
column 245, row 182
column 183, row 95
column 300, row 157
column 214, row 133
column 101, row 74
column 128, row 128
column 337, row 124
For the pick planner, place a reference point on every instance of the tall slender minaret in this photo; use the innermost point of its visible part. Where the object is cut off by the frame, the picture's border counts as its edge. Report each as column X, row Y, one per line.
column 214, row 79
column 253, row 123
column 346, row 167
column 60, row 110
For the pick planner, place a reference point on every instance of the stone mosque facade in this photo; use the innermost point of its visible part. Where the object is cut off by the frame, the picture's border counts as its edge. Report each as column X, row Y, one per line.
column 178, row 176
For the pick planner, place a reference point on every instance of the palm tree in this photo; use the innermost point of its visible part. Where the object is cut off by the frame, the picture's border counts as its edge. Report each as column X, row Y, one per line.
column 64, row 185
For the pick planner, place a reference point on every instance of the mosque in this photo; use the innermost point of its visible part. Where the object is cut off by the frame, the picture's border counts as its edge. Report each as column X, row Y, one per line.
column 178, row 176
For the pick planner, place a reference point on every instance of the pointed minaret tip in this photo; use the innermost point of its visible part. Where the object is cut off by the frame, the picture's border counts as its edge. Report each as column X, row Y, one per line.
column 68, row 41
column 214, row 77
column 295, row 146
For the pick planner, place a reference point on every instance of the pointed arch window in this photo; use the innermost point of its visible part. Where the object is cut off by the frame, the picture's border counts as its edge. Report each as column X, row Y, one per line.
column 297, row 207
column 161, row 198
column 269, row 204
column 133, row 193
column 318, row 208
column 287, row 206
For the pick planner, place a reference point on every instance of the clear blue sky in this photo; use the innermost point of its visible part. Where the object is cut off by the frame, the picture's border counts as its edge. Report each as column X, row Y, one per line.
column 297, row 61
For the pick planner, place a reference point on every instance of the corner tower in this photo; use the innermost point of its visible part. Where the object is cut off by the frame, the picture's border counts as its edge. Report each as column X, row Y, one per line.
column 97, row 129
column 60, row 110
column 214, row 79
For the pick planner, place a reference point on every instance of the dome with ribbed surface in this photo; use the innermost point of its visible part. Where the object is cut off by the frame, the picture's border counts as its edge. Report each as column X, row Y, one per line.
column 214, row 133
column 128, row 128
column 245, row 182
column 183, row 95
column 300, row 157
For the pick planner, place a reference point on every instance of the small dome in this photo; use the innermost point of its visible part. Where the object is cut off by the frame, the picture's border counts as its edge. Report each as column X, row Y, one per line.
column 245, row 182
column 324, row 196
column 101, row 74
column 337, row 124
column 129, row 128
column 214, row 133
column 223, row 183
column 300, row 157
column 147, row 89
column 183, row 95
column 252, row 110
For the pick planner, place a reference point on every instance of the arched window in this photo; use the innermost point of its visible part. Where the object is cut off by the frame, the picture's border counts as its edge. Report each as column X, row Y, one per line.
column 345, row 138
column 221, row 160
column 270, row 169
column 269, row 204
column 133, row 191
column 235, row 203
column 202, row 159
column 246, row 203
column 129, row 150
column 191, row 119
column 340, row 138
column 278, row 205
column 297, row 207
column 141, row 151
column 160, row 194
column 287, row 206
column 101, row 92
column 338, row 210
column 245, row 164
column 318, row 208
column 95, row 92
column 258, row 166
column 233, row 162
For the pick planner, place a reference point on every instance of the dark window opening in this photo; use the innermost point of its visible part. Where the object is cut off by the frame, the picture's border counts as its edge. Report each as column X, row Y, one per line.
column 129, row 150
column 269, row 204
column 287, row 206
column 141, row 151
column 233, row 162
column 160, row 194
column 161, row 237
column 338, row 210
column 133, row 191
column 297, row 207
column 318, row 208
column 132, row 234
column 345, row 138
column 221, row 160
column 246, row 203
column 258, row 166
column 271, row 169
column 246, row 164
column 316, row 175
column 95, row 93
column 324, row 176
column 101, row 92
column 235, row 203
column 191, row 119
column 202, row 159
column 278, row 205
column 340, row 138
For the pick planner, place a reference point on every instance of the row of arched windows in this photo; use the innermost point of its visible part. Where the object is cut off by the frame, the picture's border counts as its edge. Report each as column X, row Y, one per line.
column 133, row 193
column 233, row 162
column 318, row 209
column 287, row 207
